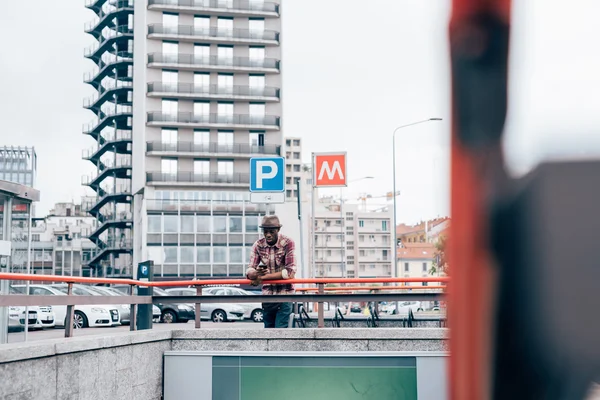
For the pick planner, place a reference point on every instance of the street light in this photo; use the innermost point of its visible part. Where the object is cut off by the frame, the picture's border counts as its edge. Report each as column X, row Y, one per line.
column 394, row 178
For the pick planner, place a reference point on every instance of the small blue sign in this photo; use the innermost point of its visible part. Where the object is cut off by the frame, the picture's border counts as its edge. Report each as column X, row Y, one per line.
column 267, row 174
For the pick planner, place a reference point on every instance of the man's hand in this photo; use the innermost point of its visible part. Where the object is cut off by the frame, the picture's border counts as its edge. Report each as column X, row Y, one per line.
column 262, row 270
column 252, row 274
column 257, row 281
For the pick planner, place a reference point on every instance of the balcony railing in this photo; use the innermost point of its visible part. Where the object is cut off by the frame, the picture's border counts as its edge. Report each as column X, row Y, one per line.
column 106, row 36
column 212, row 61
column 234, row 148
column 242, row 5
column 216, row 33
column 209, row 119
column 192, row 177
column 204, row 205
column 212, row 90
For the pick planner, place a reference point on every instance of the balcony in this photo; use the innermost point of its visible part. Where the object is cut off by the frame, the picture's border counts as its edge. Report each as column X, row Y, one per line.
column 191, row 62
column 213, row 92
column 214, row 149
column 237, row 8
column 190, row 33
column 190, row 120
column 194, row 179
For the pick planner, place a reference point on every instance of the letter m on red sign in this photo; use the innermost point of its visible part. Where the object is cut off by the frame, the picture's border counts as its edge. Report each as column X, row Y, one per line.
column 330, row 169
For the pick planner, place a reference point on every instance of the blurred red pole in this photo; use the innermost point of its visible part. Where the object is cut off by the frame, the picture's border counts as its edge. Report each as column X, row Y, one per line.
column 471, row 289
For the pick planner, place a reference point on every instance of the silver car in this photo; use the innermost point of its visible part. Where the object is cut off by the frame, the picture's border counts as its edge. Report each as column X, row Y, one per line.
column 125, row 308
column 252, row 311
column 216, row 312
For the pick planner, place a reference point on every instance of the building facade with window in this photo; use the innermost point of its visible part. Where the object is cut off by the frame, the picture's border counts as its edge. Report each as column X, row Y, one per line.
column 350, row 242
column 188, row 92
column 294, row 169
column 417, row 260
column 59, row 243
column 18, row 164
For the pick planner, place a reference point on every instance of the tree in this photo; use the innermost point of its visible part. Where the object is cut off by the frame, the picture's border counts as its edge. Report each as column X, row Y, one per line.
column 440, row 264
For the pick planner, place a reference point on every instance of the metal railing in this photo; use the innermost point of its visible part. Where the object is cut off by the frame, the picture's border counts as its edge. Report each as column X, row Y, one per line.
column 105, row 140
column 106, row 36
column 213, row 32
column 224, row 5
column 212, row 119
column 192, row 177
column 212, row 90
column 107, row 62
column 235, row 206
column 320, row 297
column 115, row 7
column 213, row 147
column 212, row 61
column 118, row 84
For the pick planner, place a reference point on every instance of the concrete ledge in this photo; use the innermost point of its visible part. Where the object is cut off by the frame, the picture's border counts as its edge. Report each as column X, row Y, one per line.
column 53, row 347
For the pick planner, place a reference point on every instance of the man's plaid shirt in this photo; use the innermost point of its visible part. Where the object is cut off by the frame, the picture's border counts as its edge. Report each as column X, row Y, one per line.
column 277, row 257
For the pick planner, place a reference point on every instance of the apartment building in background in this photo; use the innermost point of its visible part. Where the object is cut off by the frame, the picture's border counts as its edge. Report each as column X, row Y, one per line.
column 188, row 92
column 59, row 243
column 424, row 232
column 294, row 169
column 18, row 164
column 350, row 242
column 418, row 260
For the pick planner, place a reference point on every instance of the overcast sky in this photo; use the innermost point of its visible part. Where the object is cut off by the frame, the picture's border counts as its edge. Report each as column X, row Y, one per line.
column 353, row 71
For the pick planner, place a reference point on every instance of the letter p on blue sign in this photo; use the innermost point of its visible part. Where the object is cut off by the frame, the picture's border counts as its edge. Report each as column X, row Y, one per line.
column 267, row 174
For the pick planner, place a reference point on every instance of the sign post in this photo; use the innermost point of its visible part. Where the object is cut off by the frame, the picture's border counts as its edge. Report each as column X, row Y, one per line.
column 329, row 170
column 145, row 273
column 267, row 180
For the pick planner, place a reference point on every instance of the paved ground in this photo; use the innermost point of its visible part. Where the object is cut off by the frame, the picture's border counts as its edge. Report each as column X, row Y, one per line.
column 58, row 333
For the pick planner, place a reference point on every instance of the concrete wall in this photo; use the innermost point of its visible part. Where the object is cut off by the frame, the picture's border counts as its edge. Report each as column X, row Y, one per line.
column 130, row 365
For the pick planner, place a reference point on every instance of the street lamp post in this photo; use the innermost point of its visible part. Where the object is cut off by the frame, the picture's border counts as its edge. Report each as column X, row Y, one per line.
column 394, row 193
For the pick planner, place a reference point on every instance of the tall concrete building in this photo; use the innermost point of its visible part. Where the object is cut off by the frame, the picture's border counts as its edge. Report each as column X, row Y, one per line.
column 293, row 167
column 188, row 92
column 18, row 164
column 350, row 242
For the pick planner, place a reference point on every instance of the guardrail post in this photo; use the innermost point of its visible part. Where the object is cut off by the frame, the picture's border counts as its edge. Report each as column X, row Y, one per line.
column 133, row 314
column 70, row 313
column 320, row 311
column 198, row 308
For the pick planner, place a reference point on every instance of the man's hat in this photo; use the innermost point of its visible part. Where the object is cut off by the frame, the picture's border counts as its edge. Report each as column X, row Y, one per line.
column 270, row 221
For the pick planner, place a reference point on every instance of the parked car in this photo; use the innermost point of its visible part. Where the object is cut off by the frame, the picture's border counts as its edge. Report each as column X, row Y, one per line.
column 126, row 308
column 85, row 315
column 252, row 311
column 169, row 312
column 216, row 312
column 40, row 317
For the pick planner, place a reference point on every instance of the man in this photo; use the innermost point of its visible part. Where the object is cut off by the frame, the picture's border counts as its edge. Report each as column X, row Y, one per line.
column 272, row 258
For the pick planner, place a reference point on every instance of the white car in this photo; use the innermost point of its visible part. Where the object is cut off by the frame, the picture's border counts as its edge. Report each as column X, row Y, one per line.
column 85, row 315
column 216, row 312
column 252, row 311
column 40, row 317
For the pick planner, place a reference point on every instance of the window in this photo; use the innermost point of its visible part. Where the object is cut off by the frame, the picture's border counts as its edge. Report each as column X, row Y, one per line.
column 257, row 84
column 169, row 139
column 288, row 180
column 201, row 52
column 171, row 225
column 225, row 141
column 202, row 223
column 225, row 82
column 296, row 156
column 154, row 224
column 186, row 255
column 296, row 168
column 170, row 49
column 235, row 254
column 405, row 267
column 235, row 224
column 225, row 109
column 361, row 223
column 225, row 26
column 35, row 238
column 225, row 168
column 361, row 238
column 202, row 138
column 296, row 142
column 225, row 55
column 220, row 224
column 256, row 27
column 169, row 107
column 251, row 224
column 257, row 139
column 202, row 25
column 424, row 267
column 201, row 167
column 257, row 110
column 170, row 255
column 219, row 255
column 384, row 226
column 288, row 142
column 201, row 81
column 203, row 255
column 170, row 80
column 187, row 223
column 170, row 22
column 168, row 166
column 201, row 109
column 257, row 54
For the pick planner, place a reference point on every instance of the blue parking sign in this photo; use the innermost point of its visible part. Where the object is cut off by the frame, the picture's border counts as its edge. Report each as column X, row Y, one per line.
column 267, row 174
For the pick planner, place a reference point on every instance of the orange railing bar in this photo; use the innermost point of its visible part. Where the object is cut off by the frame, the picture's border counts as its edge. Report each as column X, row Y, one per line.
column 356, row 288
column 213, row 282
